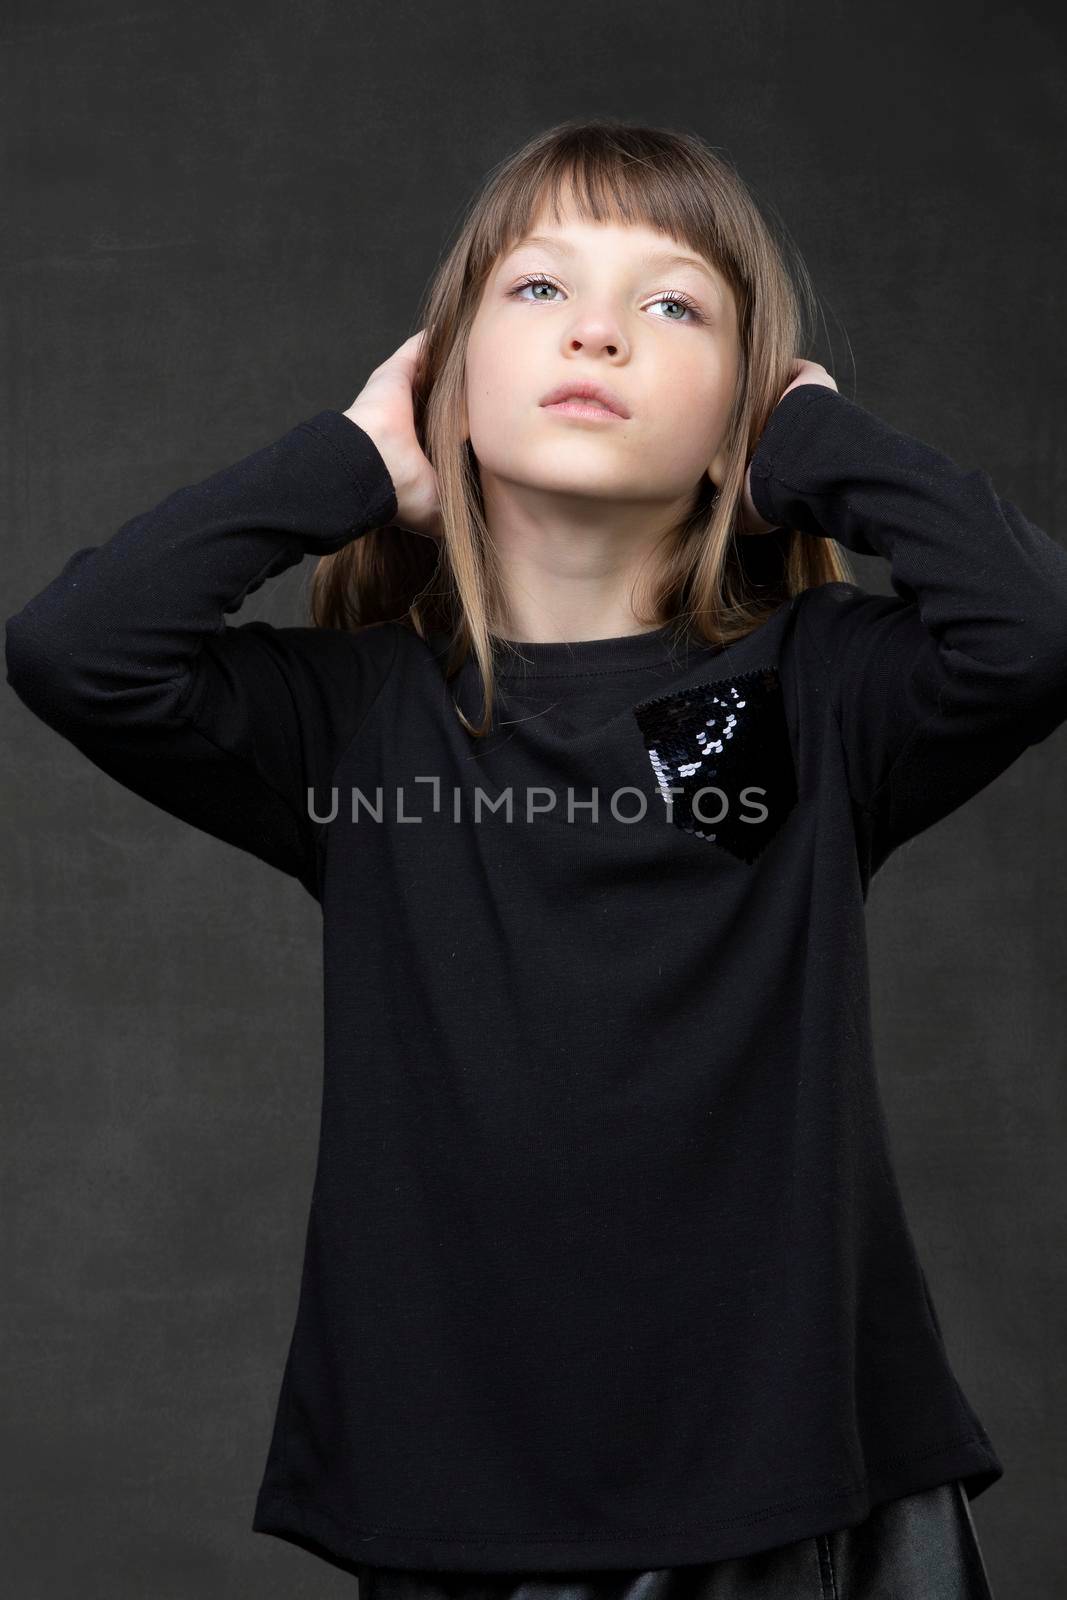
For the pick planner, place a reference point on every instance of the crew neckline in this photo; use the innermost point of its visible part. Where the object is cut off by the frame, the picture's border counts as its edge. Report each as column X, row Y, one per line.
column 586, row 655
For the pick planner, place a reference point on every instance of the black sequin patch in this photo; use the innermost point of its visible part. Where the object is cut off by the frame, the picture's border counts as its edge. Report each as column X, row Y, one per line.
column 720, row 752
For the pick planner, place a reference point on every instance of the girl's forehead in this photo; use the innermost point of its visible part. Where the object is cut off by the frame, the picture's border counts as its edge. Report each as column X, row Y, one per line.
column 570, row 224
column 563, row 213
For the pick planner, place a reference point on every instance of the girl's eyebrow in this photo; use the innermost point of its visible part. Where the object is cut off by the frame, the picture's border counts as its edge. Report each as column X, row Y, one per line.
column 653, row 258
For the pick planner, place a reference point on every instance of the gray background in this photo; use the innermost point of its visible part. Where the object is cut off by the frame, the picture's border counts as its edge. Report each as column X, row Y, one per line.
column 219, row 220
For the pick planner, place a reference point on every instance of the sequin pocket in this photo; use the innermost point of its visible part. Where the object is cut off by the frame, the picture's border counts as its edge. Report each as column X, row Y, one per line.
column 722, row 759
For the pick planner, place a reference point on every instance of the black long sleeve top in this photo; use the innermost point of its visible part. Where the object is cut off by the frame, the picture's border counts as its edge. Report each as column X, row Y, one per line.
column 606, row 1262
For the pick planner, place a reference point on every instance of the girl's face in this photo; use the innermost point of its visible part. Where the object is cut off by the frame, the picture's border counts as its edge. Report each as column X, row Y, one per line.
column 615, row 308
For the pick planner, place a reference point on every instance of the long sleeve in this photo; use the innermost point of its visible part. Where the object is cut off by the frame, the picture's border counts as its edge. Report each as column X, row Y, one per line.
column 938, row 690
column 128, row 655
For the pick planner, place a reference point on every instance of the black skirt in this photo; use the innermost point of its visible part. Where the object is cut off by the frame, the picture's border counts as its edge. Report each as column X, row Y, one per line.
column 921, row 1547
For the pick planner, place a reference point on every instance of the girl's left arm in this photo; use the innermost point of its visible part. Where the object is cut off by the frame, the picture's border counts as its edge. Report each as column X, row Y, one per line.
column 940, row 689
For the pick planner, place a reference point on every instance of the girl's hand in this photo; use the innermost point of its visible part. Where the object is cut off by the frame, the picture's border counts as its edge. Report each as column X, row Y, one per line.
column 383, row 409
column 803, row 372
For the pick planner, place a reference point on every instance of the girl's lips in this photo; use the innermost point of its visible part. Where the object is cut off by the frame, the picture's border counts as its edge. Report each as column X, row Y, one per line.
column 585, row 409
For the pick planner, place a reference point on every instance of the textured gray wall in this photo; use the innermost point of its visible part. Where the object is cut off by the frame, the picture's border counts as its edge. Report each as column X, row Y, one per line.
column 219, row 219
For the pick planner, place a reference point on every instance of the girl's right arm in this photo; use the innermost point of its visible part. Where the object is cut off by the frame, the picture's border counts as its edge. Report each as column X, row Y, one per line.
column 127, row 654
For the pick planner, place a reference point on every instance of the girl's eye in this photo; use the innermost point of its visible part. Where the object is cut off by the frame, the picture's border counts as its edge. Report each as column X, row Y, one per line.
column 674, row 298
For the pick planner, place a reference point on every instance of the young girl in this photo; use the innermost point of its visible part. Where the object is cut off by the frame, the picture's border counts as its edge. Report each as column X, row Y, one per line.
column 589, row 757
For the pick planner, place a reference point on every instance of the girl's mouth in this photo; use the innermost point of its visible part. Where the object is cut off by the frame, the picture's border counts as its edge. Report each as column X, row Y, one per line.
column 591, row 409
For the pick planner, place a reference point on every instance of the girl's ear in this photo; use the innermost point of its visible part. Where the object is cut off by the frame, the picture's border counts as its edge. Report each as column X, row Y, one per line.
column 717, row 469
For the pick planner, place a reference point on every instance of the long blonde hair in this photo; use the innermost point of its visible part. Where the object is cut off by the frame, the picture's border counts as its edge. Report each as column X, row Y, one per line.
column 613, row 172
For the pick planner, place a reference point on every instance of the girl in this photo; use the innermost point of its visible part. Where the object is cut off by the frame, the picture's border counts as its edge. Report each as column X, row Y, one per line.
column 589, row 757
